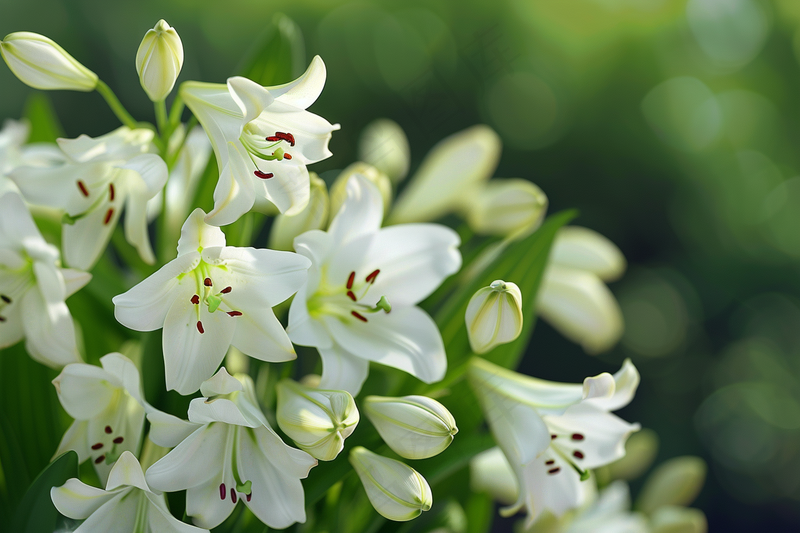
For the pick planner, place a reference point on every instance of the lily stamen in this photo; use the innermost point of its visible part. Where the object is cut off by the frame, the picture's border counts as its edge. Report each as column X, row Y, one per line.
column 82, row 187
column 108, row 216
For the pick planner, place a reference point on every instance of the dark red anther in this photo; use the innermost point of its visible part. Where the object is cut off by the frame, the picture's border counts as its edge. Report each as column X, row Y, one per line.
column 358, row 316
column 207, row 282
column 578, row 454
column 111, row 192
column 118, row 440
column 288, row 137
column 82, row 187
column 226, row 290
column 195, row 299
column 287, row 156
column 248, row 496
column 222, row 491
column 99, row 459
column 555, row 470
column 263, row 175
column 109, row 214
column 97, row 446
column 5, row 298
column 577, row 436
column 352, row 295
column 108, row 429
column 350, row 280
column 200, row 327
column 553, row 436
column 373, row 275
column 273, row 138
column 235, row 313
column 550, row 462
column 233, row 495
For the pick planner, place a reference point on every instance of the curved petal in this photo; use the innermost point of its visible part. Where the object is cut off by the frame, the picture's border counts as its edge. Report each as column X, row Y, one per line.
column 414, row 259
column 122, row 368
column 76, row 438
column 361, row 213
column 197, row 234
column 127, row 472
column 84, row 241
column 626, row 381
column 311, row 132
column 192, row 356
column 202, row 411
column 152, row 170
column 145, row 306
column 220, row 384
column 57, row 186
column 135, row 225
column 407, row 339
column 77, row 500
column 204, row 505
column 289, row 188
column 115, row 516
column 16, row 223
column 49, row 331
column 261, row 335
column 251, row 97
column 168, row 430
column 304, row 329
column 315, row 244
column 193, row 462
column 305, row 90
column 234, row 194
column 85, row 391
column 74, row 280
column 342, row 370
column 557, row 492
column 585, row 249
column 160, row 520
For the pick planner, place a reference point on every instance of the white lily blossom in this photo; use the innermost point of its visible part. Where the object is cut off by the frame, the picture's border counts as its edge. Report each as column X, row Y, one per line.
column 396, row 491
column 414, row 427
column 506, row 207
column 108, row 407
column 610, row 512
column 159, row 60
column 573, row 297
column 384, row 145
column 33, row 287
column 96, row 178
column 42, row 64
column 263, row 138
column 14, row 152
column 228, row 452
column 375, row 176
column 313, row 216
column 210, row 297
column 126, row 505
column 318, row 421
column 553, row 433
column 359, row 303
column 494, row 316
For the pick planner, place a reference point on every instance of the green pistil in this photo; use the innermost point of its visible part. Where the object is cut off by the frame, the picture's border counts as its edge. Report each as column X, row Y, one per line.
column 213, row 302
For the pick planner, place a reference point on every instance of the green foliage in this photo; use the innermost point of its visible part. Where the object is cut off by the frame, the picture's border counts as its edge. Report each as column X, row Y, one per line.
column 36, row 513
column 45, row 126
column 278, row 56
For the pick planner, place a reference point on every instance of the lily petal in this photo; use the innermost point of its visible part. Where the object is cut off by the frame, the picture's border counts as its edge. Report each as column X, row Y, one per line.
column 84, row 241
column 585, row 249
column 305, row 90
column 74, row 280
column 168, row 430
column 342, row 370
column 179, row 470
column 361, row 214
column 251, row 97
column 304, row 329
column 49, row 331
column 77, row 500
column 196, row 234
column 234, row 194
column 127, row 472
column 85, row 391
column 261, row 335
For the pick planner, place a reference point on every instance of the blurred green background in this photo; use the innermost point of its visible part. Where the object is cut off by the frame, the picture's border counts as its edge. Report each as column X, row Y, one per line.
column 671, row 126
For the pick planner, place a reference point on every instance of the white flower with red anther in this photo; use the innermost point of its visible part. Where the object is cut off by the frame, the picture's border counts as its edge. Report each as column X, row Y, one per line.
column 33, row 288
column 553, row 433
column 263, row 138
column 210, row 297
column 127, row 504
column 108, row 407
column 228, row 452
column 96, row 178
column 359, row 304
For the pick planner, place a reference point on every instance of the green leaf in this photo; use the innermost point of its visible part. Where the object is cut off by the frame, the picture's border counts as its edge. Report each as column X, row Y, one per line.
column 278, row 56
column 37, row 513
column 45, row 126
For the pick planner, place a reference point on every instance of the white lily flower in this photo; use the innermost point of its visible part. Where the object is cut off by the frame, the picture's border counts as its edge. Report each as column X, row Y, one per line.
column 610, row 512
column 504, row 207
column 454, row 167
column 384, row 145
column 263, row 138
column 159, row 60
column 573, row 297
column 313, row 216
column 126, row 505
column 375, row 176
column 415, row 427
column 210, row 297
column 396, row 491
column 33, row 288
column 494, row 316
column 359, row 304
column 108, row 407
column 97, row 177
column 553, row 433
column 318, row 421
column 228, row 452
column 39, row 62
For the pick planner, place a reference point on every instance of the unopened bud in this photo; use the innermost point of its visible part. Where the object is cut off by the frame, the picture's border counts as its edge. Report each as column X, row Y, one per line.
column 159, row 60
column 384, row 145
column 506, row 207
column 396, row 491
column 39, row 62
column 494, row 316
column 674, row 482
column 313, row 216
column 640, row 452
column 585, row 249
column 317, row 421
column 415, row 427
column 672, row 519
column 375, row 176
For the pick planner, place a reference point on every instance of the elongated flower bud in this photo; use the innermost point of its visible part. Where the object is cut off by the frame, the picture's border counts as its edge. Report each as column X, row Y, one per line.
column 415, row 427
column 39, row 62
column 494, row 316
column 314, row 216
column 384, row 145
column 506, row 207
column 396, row 491
column 675, row 482
column 159, row 60
column 317, row 421
column 375, row 176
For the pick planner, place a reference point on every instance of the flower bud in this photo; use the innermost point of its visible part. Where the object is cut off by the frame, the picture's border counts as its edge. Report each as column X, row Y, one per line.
column 396, row 491
column 415, row 427
column 159, row 60
column 585, row 249
column 314, row 216
column 674, row 482
column 506, row 207
column 39, row 62
column 384, row 145
column 640, row 452
column 672, row 519
column 378, row 178
column 317, row 421
column 494, row 316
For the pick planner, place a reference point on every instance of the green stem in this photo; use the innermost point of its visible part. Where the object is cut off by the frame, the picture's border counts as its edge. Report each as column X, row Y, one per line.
column 115, row 105
column 161, row 120
column 176, row 111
